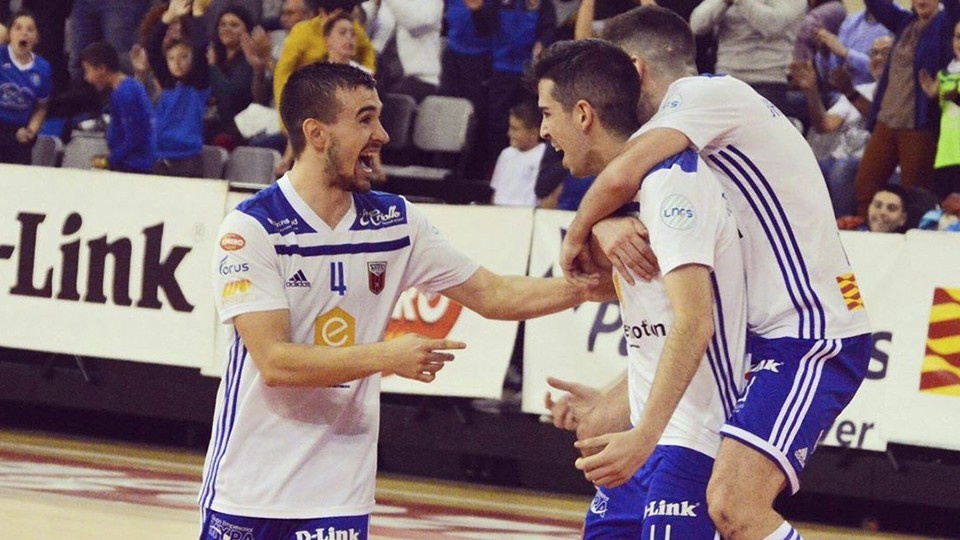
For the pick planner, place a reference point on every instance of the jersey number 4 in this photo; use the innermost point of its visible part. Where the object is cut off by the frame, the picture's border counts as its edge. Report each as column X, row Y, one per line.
column 337, row 283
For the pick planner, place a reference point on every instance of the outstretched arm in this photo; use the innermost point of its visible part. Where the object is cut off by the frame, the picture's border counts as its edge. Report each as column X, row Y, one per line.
column 617, row 184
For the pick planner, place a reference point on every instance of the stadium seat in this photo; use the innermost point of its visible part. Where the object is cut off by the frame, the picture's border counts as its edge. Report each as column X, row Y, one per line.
column 47, row 151
column 214, row 160
column 443, row 129
column 252, row 165
column 78, row 153
column 397, row 118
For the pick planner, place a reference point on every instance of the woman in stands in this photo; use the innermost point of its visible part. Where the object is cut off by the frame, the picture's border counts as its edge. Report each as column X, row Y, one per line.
column 26, row 83
column 183, row 74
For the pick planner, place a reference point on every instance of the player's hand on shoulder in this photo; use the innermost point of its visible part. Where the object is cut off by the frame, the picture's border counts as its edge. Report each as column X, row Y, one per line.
column 413, row 356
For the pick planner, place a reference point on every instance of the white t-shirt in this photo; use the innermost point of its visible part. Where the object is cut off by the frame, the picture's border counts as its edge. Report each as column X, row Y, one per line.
column 851, row 139
column 799, row 281
column 515, row 176
column 689, row 222
column 280, row 452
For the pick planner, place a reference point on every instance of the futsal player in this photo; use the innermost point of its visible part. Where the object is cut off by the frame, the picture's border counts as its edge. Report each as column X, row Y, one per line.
column 809, row 335
column 308, row 272
column 685, row 331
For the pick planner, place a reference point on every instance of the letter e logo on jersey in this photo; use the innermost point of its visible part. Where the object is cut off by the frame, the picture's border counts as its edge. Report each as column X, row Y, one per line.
column 232, row 242
column 336, row 328
column 376, row 276
column 677, row 212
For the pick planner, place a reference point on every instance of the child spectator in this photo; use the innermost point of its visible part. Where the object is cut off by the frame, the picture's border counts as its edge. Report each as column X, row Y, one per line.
column 518, row 166
column 887, row 211
column 26, row 81
column 946, row 165
column 341, row 39
column 183, row 74
column 130, row 136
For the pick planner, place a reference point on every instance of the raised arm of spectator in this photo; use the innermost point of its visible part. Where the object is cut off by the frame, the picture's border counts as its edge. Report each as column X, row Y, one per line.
column 155, row 53
column 804, row 77
column 843, row 82
column 195, row 27
column 546, row 24
column 416, row 16
column 256, row 50
column 707, row 15
column 583, row 27
column 770, row 20
column 888, row 14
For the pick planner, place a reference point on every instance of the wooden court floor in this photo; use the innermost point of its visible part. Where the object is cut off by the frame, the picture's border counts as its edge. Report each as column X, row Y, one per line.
column 65, row 488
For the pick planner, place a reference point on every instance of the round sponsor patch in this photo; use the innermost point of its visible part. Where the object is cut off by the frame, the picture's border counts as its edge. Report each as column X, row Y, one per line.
column 671, row 103
column 232, row 242
column 677, row 212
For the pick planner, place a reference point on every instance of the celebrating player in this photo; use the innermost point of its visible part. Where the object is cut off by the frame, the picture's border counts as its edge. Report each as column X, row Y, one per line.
column 308, row 272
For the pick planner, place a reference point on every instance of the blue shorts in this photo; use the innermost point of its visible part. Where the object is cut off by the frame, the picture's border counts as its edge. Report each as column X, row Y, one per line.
column 795, row 389
column 220, row 526
column 667, row 498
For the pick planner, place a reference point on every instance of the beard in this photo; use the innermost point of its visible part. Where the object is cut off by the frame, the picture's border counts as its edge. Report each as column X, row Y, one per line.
column 347, row 181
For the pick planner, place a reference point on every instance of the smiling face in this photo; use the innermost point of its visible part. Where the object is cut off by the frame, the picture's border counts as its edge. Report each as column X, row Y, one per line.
column 230, row 29
column 355, row 139
column 560, row 128
column 879, row 53
column 23, row 35
column 886, row 212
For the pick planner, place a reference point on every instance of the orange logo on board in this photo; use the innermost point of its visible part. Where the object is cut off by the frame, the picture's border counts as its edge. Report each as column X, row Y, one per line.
column 415, row 313
column 850, row 291
column 336, row 328
column 940, row 373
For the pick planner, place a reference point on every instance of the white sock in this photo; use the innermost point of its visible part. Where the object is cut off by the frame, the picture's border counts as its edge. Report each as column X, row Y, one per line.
column 784, row 532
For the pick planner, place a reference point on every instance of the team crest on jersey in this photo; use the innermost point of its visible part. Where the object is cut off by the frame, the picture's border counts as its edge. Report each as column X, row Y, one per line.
column 376, row 276
column 598, row 505
column 677, row 212
column 35, row 79
column 671, row 103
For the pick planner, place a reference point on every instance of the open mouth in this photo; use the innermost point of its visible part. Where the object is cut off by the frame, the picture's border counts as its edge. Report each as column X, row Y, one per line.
column 367, row 160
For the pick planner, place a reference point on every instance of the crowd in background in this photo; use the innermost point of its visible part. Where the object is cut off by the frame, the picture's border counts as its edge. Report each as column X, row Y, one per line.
column 875, row 91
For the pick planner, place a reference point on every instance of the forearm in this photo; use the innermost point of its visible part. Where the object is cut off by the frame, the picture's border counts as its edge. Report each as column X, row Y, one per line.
column 705, row 16
column 815, row 110
column 583, row 28
column 37, row 118
column 770, row 20
column 258, row 87
column 516, row 298
column 610, row 414
column 290, row 364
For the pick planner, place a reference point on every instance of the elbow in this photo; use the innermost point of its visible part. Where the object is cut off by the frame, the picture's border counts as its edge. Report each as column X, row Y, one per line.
column 272, row 371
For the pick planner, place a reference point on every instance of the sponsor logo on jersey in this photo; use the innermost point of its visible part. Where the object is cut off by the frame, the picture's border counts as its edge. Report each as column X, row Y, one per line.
column 416, row 313
column 35, row 79
column 671, row 103
column 238, row 287
column 336, row 328
column 598, row 505
column 801, row 456
column 232, row 242
column 850, row 291
column 677, row 212
column 299, row 279
column 644, row 329
column 330, row 533
column 376, row 276
column 284, row 225
column 940, row 370
column 222, row 530
column 766, row 365
column 228, row 267
column 664, row 508
column 376, row 218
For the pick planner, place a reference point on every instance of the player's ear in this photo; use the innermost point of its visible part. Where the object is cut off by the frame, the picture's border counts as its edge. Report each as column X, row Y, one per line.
column 584, row 114
column 314, row 133
column 639, row 65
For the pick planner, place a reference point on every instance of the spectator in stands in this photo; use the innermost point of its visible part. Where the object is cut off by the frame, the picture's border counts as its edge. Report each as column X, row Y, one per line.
column 839, row 135
column 235, row 81
column 51, row 18
column 523, row 29
column 903, row 121
column 518, row 166
column 26, row 82
column 341, row 39
column 755, row 40
column 130, row 135
column 306, row 45
column 417, row 33
column 888, row 210
column 850, row 46
column 184, row 76
column 823, row 15
column 294, row 11
column 138, row 53
column 946, row 87
column 466, row 64
column 114, row 21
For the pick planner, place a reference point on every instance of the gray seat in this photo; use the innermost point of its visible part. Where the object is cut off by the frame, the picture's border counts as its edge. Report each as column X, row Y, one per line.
column 78, row 153
column 443, row 128
column 47, row 151
column 252, row 165
column 214, row 160
column 397, row 118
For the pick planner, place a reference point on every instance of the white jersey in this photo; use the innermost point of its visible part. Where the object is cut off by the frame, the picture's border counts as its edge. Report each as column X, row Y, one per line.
column 799, row 281
column 689, row 222
column 311, row 452
column 515, row 176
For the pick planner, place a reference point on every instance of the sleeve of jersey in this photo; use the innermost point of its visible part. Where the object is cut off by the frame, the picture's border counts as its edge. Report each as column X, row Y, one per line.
column 435, row 264
column 700, row 109
column 682, row 222
column 247, row 275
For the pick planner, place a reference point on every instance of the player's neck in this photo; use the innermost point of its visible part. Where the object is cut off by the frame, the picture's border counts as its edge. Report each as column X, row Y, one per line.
column 602, row 152
column 328, row 200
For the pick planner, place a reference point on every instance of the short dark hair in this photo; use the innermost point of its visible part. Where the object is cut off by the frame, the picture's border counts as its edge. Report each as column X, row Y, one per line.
column 528, row 113
column 101, row 54
column 240, row 12
column 23, row 13
column 332, row 21
column 595, row 71
column 311, row 92
column 656, row 34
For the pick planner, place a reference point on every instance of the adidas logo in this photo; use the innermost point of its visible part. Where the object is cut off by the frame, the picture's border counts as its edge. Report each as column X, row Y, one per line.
column 298, row 280
column 801, row 456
